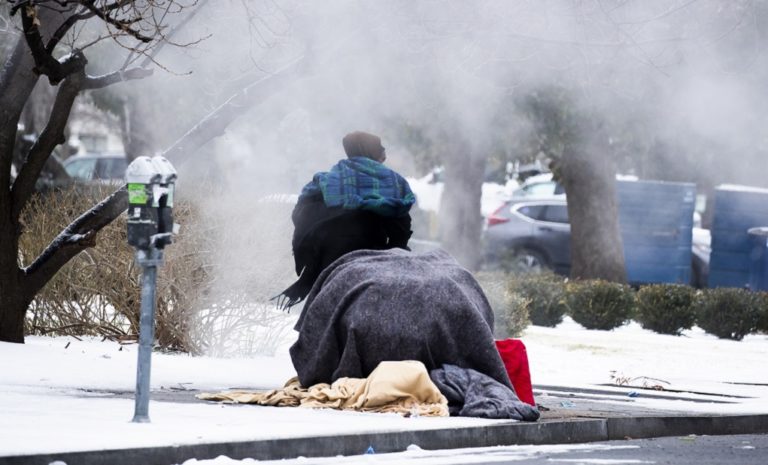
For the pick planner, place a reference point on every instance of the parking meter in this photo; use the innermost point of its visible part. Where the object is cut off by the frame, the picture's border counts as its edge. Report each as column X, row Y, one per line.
column 150, row 184
column 163, row 201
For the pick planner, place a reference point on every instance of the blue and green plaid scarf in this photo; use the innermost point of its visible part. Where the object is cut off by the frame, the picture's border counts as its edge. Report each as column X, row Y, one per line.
column 360, row 183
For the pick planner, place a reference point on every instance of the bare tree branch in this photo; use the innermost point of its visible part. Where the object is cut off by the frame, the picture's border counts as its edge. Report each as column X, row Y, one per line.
column 66, row 26
column 61, row 5
column 123, row 25
column 98, row 82
column 149, row 58
column 17, row 80
column 52, row 135
column 75, row 238
column 45, row 63
column 18, row 5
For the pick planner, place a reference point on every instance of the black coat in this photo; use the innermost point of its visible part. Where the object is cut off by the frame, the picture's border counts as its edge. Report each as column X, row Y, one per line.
column 322, row 235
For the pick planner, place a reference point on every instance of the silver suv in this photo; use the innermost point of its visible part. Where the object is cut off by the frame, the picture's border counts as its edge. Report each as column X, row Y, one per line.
column 529, row 235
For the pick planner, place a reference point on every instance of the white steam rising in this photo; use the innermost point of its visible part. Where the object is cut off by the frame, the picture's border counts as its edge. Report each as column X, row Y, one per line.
column 693, row 73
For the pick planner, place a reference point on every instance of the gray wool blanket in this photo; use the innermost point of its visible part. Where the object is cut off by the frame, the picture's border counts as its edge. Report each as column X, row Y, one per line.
column 473, row 394
column 369, row 306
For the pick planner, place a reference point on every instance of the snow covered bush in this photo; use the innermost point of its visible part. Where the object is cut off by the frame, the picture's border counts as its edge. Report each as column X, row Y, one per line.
column 516, row 317
column 729, row 313
column 213, row 289
column 546, row 292
column 598, row 304
column 97, row 292
column 666, row 308
column 70, row 304
column 510, row 308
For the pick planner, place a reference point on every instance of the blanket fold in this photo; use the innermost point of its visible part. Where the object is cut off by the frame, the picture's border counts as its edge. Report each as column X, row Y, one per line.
column 473, row 394
column 394, row 387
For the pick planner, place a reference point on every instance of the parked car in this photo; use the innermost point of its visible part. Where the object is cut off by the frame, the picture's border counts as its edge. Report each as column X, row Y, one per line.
column 529, row 235
column 534, row 235
column 103, row 167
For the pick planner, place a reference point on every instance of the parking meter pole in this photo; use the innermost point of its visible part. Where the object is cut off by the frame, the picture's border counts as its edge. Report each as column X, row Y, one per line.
column 149, row 261
column 150, row 183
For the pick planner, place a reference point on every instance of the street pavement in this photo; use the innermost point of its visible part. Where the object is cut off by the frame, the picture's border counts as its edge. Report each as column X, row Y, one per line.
column 570, row 417
column 751, row 449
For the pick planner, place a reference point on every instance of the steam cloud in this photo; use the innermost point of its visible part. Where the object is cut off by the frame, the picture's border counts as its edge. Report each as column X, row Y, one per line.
column 693, row 74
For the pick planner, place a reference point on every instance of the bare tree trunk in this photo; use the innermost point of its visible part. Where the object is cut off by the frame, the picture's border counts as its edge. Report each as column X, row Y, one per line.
column 461, row 223
column 12, row 306
column 589, row 177
column 15, row 305
column 16, row 83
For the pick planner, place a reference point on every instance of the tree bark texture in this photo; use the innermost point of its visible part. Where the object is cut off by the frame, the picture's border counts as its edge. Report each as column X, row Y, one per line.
column 589, row 178
column 16, row 83
column 52, row 135
column 14, row 311
column 17, row 287
column 13, row 306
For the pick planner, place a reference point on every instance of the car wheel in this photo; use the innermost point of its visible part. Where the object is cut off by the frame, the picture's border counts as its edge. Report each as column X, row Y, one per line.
column 529, row 261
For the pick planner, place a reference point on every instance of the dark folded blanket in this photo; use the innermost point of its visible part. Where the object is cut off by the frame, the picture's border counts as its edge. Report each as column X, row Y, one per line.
column 473, row 394
column 371, row 306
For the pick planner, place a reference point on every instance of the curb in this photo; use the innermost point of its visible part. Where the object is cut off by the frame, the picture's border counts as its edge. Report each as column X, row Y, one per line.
column 548, row 432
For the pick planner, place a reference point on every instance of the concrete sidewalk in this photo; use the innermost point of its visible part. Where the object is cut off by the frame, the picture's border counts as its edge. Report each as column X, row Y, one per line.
column 568, row 416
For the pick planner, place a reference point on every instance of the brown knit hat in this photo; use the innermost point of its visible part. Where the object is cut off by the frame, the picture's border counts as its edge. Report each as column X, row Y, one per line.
column 363, row 144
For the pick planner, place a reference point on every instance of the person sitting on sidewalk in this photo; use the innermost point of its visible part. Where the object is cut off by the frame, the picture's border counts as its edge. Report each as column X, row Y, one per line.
column 370, row 300
column 358, row 204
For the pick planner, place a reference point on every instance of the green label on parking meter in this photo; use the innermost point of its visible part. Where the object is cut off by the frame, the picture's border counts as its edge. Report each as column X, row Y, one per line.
column 137, row 194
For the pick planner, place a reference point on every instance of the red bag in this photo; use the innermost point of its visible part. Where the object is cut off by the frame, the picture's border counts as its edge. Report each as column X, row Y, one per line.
column 515, row 360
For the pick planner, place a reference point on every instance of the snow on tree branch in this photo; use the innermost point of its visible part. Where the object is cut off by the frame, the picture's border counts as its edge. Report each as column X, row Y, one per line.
column 98, row 82
column 79, row 235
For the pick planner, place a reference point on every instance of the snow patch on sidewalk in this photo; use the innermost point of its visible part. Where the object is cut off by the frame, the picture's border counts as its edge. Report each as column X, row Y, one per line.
column 55, row 400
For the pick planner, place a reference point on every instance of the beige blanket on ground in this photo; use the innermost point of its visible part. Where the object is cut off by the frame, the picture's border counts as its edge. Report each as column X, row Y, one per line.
column 400, row 387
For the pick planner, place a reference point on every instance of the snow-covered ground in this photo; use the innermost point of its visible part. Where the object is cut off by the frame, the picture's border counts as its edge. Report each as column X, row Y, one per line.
column 53, row 397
